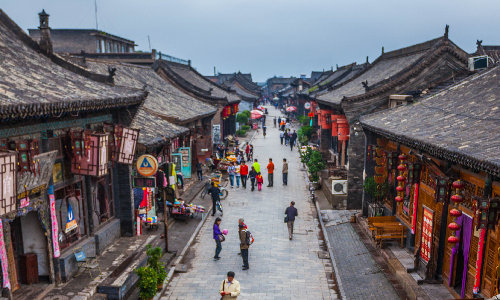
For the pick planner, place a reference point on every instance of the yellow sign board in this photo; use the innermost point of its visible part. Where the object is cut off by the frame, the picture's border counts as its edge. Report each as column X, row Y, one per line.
column 147, row 165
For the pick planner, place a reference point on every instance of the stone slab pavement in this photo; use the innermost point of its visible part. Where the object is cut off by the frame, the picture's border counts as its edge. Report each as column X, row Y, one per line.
column 360, row 275
column 279, row 268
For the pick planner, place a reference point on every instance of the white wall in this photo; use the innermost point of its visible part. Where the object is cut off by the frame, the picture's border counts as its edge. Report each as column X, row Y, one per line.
column 34, row 240
column 245, row 105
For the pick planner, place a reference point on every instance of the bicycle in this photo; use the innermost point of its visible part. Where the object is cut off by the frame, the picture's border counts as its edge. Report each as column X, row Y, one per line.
column 223, row 192
column 219, row 207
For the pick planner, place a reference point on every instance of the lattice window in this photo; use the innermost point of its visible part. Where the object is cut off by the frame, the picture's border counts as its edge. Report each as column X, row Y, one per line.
column 102, row 198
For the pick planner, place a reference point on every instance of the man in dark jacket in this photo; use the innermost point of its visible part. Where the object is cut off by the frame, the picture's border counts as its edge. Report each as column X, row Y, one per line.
column 291, row 213
column 215, row 192
column 293, row 138
column 252, row 174
column 243, row 246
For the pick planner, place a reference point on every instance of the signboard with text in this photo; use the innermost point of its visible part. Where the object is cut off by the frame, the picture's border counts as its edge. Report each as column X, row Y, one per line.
column 426, row 240
column 140, row 182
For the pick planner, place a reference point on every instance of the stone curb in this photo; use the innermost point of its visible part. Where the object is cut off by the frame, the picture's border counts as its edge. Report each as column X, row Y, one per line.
column 325, row 235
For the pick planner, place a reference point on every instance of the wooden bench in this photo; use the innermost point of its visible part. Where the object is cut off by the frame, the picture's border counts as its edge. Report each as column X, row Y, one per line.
column 386, row 219
column 390, row 232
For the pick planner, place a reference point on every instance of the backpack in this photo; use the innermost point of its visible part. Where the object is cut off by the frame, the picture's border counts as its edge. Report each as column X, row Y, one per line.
column 249, row 238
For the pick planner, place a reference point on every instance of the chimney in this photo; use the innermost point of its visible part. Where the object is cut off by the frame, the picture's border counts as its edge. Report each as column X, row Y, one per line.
column 45, row 41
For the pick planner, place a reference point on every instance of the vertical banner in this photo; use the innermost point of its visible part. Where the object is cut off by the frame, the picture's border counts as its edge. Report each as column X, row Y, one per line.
column 426, row 239
column 479, row 262
column 3, row 256
column 53, row 218
column 415, row 210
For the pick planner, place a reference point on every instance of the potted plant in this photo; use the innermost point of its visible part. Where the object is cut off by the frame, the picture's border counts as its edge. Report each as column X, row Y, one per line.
column 315, row 164
column 241, row 119
column 153, row 262
column 147, row 283
column 377, row 193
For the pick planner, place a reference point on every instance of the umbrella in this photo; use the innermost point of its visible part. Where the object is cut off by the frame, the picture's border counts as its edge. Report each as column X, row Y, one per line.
column 291, row 108
column 255, row 114
column 260, row 107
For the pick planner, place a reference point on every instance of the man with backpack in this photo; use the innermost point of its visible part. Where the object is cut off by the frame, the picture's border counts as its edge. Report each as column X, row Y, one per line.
column 244, row 245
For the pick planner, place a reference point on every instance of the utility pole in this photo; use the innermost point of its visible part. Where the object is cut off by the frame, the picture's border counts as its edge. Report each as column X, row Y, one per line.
column 149, row 41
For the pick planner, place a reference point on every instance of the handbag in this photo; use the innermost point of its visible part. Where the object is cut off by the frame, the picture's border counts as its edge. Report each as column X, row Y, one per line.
column 221, row 238
column 286, row 219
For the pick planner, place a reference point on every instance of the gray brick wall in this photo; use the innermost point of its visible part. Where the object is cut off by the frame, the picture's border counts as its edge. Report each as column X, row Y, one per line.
column 356, row 167
column 67, row 261
column 107, row 235
column 124, row 202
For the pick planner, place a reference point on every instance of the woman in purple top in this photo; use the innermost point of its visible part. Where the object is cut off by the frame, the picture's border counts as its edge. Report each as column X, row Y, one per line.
column 217, row 234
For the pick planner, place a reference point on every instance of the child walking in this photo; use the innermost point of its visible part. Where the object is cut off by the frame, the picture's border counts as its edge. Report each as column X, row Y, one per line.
column 260, row 181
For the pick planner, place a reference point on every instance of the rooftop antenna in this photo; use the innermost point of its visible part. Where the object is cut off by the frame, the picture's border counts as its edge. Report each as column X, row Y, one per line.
column 96, row 24
column 149, row 41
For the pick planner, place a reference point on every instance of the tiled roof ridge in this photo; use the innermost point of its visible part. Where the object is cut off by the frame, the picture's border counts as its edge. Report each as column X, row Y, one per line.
column 452, row 155
column 413, row 49
column 244, row 86
column 412, row 70
column 331, row 85
column 249, row 83
column 183, row 83
column 28, row 41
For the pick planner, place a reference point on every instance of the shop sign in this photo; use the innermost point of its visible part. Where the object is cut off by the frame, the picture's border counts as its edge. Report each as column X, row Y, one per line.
column 3, row 255
column 479, row 262
column 147, row 165
column 140, row 182
column 216, row 134
column 31, row 183
column 186, row 161
column 307, row 105
column 127, row 145
column 70, row 220
column 55, row 226
column 24, row 202
column 426, row 237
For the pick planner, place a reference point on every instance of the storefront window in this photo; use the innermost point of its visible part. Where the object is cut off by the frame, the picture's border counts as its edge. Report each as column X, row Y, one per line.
column 70, row 205
column 102, row 199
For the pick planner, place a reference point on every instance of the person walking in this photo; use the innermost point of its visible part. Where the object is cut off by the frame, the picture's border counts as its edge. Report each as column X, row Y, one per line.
column 285, row 172
column 215, row 193
column 256, row 166
column 270, row 173
column 210, row 163
column 287, row 125
column 251, row 152
column 245, row 227
column 260, row 181
column 244, row 246
column 199, row 170
column 274, row 121
column 264, row 128
column 291, row 213
column 286, row 137
column 279, row 121
column 238, row 157
column 218, row 237
column 252, row 174
column 231, row 170
column 229, row 288
column 244, row 174
column 238, row 175
column 282, row 136
column 293, row 136
column 247, row 151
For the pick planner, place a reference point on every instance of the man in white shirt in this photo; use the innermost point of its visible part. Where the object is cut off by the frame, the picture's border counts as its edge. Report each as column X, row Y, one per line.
column 230, row 287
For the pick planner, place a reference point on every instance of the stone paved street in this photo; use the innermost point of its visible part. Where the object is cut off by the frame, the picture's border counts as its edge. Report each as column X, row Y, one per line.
column 279, row 268
column 360, row 276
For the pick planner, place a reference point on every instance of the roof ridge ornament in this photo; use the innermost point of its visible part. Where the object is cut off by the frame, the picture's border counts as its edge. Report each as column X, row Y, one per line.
column 446, row 31
column 365, row 85
column 367, row 60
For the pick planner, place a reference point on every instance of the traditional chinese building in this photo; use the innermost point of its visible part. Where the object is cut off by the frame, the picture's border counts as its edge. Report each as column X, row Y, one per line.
column 438, row 158
column 396, row 76
column 186, row 78
column 248, row 91
column 63, row 193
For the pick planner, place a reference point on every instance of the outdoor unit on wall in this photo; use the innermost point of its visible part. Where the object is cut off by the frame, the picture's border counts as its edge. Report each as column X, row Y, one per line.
column 478, row 62
column 339, row 187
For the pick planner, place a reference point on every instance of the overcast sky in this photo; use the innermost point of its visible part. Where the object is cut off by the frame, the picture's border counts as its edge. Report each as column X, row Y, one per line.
column 272, row 37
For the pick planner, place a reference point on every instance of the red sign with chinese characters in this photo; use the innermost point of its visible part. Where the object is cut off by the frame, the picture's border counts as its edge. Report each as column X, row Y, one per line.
column 426, row 240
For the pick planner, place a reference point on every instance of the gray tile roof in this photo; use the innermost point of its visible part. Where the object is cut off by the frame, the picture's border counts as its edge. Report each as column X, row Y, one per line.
column 460, row 124
column 190, row 79
column 380, row 70
column 32, row 84
column 163, row 99
column 154, row 130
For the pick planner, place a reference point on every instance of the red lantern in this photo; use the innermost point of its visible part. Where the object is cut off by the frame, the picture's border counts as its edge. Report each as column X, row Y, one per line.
column 402, row 157
column 453, row 240
column 455, row 213
column 398, row 199
column 458, row 184
column 400, row 188
column 402, row 168
column 457, row 198
column 401, row 178
column 454, row 226
column 311, row 115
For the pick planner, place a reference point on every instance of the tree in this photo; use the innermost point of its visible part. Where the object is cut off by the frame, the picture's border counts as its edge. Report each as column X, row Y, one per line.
column 241, row 119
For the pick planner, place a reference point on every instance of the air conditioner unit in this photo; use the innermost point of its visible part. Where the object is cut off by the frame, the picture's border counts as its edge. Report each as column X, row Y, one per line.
column 478, row 62
column 339, row 187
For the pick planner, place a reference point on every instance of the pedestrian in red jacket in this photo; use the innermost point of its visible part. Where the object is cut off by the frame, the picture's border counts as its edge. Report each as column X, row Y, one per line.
column 244, row 174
